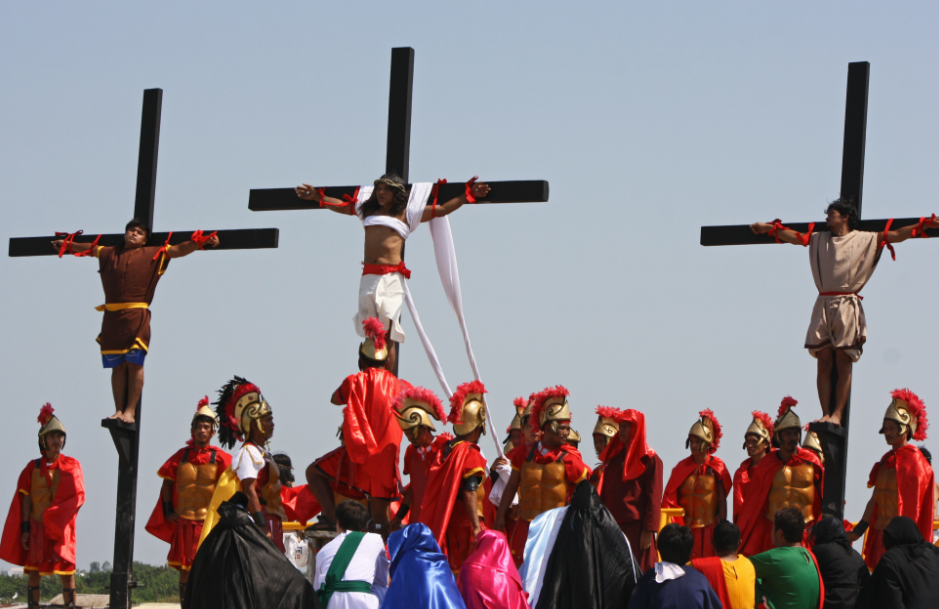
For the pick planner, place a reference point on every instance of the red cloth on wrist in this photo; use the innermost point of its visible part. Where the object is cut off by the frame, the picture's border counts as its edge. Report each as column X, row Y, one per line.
column 778, row 226
column 434, row 193
column 67, row 241
column 893, row 253
column 165, row 246
column 348, row 201
column 470, row 197
column 199, row 238
column 921, row 227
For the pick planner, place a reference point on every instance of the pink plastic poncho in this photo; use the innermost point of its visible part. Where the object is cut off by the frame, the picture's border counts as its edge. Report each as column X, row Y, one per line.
column 488, row 579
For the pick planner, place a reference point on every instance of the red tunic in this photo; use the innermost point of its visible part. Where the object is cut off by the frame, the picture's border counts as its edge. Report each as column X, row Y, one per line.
column 52, row 541
column 916, row 499
column 417, row 462
column 741, row 481
column 685, row 468
column 128, row 276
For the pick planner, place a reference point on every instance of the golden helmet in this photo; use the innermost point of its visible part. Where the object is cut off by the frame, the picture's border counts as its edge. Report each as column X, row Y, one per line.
column 573, row 438
column 550, row 407
column 49, row 423
column 467, row 409
column 909, row 411
column 239, row 407
column 812, row 443
column 786, row 418
column 761, row 427
column 606, row 422
column 203, row 410
column 707, row 429
column 375, row 346
column 521, row 405
column 416, row 406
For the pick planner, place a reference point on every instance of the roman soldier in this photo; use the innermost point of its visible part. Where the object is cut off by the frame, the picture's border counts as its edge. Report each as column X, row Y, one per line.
column 453, row 505
column 189, row 480
column 367, row 461
column 631, row 485
column 604, row 431
column 574, row 439
column 757, row 441
column 788, row 477
column 416, row 409
column 39, row 533
column 244, row 415
column 545, row 477
column 516, row 436
column 903, row 480
column 700, row 484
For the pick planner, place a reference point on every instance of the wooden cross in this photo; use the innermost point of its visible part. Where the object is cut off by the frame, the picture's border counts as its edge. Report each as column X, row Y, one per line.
column 834, row 439
column 127, row 437
column 396, row 159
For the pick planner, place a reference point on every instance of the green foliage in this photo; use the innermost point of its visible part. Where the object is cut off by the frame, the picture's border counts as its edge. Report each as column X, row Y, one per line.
column 155, row 584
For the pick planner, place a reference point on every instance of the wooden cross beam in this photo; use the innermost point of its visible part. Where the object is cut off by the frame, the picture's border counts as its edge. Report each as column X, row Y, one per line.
column 127, row 437
column 834, row 438
column 397, row 157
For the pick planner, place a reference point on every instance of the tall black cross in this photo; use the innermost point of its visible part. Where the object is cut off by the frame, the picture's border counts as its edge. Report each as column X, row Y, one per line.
column 127, row 437
column 397, row 155
column 834, row 439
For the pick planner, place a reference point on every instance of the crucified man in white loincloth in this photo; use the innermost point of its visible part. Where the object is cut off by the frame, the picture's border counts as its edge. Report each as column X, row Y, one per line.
column 390, row 213
column 842, row 261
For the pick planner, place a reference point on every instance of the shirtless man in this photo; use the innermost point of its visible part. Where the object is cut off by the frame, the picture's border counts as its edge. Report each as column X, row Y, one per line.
column 389, row 217
column 843, row 261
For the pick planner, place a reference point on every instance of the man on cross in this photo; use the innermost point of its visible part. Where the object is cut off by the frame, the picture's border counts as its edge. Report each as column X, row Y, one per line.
column 843, row 261
column 390, row 213
column 129, row 275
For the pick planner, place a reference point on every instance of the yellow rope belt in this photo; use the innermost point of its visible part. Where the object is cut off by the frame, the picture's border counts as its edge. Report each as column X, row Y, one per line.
column 120, row 306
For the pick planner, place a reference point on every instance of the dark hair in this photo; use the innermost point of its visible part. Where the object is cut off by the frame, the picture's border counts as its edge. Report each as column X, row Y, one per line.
column 204, row 418
column 791, row 522
column 352, row 516
column 845, row 207
column 367, row 362
column 286, row 468
column 400, row 190
column 926, row 454
column 137, row 222
column 726, row 537
column 675, row 544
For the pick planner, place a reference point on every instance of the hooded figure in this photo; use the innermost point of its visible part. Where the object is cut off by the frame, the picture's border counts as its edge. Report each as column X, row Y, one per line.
column 908, row 572
column 237, row 567
column 489, row 579
column 842, row 569
column 591, row 565
column 420, row 573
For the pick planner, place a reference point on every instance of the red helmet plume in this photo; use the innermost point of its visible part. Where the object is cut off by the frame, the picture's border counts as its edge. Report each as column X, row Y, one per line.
column 45, row 413
column 718, row 434
column 203, row 402
column 765, row 420
column 375, row 330
column 422, row 394
column 540, row 398
column 456, row 400
column 608, row 412
column 520, row 402
column 787, row 403
column 916, row 408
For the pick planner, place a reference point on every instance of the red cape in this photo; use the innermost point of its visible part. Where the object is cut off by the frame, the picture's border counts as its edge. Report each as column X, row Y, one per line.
column 443, row 487
column 59, row 518
column 681, row 472
column 916, row 486
column 752, row 521
column 299, row 503
column 713, row 569
column 157, row 525
column 741, row 480
column 638, row 447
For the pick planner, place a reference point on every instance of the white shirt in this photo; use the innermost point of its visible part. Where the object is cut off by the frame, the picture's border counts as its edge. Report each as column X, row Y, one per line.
column 369, row 564
column 249, row 462
column 417, row 200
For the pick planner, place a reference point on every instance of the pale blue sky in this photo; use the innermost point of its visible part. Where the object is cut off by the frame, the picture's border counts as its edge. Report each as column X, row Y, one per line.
column 648, row 120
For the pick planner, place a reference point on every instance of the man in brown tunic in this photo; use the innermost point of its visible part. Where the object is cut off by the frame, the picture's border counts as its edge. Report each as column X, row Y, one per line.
column 843, row 260
column 129, row 275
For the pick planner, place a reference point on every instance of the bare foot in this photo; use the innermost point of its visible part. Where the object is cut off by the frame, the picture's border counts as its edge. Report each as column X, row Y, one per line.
column 127, row 417
column 117, row 415
column 825, row 419
column 835, row 420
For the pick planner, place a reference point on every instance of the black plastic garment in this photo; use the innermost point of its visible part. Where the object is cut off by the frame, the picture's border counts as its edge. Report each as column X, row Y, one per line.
column 843, row 570
column 237, row 567
column 907, row 576
column 590, row 566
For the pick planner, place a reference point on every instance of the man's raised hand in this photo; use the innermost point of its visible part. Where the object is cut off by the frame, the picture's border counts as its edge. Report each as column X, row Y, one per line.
column 307, row 192
column 480, row 189
column 761, row 228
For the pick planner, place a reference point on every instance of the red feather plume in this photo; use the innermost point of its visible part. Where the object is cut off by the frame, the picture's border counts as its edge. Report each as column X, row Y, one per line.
column 608, row 412
column 520, row 402
column 718, row 434
column 917, row 408
column 764, row 419
column 456, row 400
column 203, row 402
column 45, row 413
column 375, row 330
column 422, row 394
column 542, row 397
column 787, row 402
column 230, row 422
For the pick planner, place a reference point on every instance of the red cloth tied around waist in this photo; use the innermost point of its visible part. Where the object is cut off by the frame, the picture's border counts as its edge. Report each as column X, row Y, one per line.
column 386, row 269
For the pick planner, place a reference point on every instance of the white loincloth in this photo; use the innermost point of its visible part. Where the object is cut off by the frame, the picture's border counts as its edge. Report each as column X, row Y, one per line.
column 381, row 296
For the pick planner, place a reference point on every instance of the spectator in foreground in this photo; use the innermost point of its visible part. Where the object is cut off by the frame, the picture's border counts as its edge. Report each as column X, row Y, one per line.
column 787, row 575
column 731, row 575
column 669, row 585
column 907, row 575
column 843, row 570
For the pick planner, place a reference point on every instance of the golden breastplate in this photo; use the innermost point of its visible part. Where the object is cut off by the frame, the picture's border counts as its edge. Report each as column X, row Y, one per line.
column 195, row 485
column 793, row 487
column 271, row 492
column 698, row 495
column 886, row 497
column 543, row 487
column 41, row 493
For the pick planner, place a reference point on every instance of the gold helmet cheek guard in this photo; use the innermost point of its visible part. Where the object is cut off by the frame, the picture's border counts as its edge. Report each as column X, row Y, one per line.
column 898, row 413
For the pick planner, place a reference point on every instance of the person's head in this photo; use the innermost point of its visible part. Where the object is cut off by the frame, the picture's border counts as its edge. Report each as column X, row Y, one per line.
column 841, row 215
column 55, row 442
column 136, row 234
column 788, row 428
column 285, row 465
column 902, row 531
column 51, row 433
column 705, row 435
column 416, row 408
column 243, row 414
column 202, row 430
column 905, row 419
column 755, row 445
column 573, row 439
column 389, row 197
column 374, row 350
column 625, row 432
column 606, row 428
column 516, row 437
column 420, row 436
column 758, row 437
column 551, row 414
column 789, row 439
column 675, row 544
column 926, row 454
column 352, row 516
column 600, row 442
column 788, row 527
column 726, row 539
column 468, row 412
column 531, row 434
column 830, row 530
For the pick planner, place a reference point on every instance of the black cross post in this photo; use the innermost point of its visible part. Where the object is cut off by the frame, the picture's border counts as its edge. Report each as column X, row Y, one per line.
column 126, row 437
column 397, row 155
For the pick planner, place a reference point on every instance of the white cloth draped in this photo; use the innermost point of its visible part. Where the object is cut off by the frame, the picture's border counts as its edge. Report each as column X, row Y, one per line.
column 369, row 564
column 542, row 533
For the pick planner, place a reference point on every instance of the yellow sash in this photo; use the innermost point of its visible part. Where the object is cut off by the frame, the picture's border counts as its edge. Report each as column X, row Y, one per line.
column 228, row 484
column 120, row 306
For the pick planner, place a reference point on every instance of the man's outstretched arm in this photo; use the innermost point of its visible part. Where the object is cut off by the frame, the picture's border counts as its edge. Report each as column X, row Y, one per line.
column 902, row 234
column 310, row 193
column 785, row 234
column 478, row 189
column 77, row 248
column 187, row 247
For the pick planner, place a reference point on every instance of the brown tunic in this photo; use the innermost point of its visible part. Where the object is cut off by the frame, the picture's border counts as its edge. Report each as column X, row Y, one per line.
column 635, row 505
column 128, row 276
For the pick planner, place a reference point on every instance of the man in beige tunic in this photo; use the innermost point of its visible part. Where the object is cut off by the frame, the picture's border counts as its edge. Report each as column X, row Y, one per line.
column 843, row 261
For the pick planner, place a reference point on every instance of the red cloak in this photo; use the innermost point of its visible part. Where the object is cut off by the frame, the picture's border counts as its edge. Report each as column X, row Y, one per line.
column 58, row 520
column 299, row 503
column 755, row 529
column 712, row 568
column 443, row 486
column 741, row 481
column 915, row 496
column 681, row 472
column 638, row 447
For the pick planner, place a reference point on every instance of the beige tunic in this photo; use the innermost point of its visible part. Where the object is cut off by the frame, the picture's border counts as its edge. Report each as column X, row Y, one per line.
column 840, row 264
